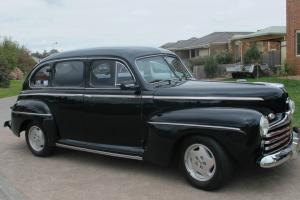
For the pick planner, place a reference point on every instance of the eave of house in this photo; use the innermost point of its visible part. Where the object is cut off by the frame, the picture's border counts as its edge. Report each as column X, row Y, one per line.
column 207, row 46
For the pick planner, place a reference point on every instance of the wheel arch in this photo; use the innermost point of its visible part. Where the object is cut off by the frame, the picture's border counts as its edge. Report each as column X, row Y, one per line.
column 177, row 147
column 236, row 130
column 25, row 111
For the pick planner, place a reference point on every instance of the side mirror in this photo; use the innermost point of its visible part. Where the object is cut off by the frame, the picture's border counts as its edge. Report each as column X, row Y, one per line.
column 129, row 86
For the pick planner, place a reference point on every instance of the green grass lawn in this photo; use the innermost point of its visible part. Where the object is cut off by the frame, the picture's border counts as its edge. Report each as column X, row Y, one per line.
column 13, row 90
column 293, row 87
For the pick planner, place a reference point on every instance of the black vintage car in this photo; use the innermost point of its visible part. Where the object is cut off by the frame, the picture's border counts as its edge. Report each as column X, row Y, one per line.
column 144, row 104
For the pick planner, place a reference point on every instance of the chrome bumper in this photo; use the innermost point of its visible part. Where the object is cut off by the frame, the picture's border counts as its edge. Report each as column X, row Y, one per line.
column 283, row 155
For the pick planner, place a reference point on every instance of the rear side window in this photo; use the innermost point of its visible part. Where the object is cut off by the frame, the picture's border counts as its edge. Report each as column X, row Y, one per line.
column 41, row 77
column 68, row 74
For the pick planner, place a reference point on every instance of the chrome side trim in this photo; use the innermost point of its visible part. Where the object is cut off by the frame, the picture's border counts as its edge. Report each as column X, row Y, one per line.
column 198, row 126
column 112, row 96
column 99, row 152
column 210, row 98
column 52, row 94
column 88, row 95
column 30, row 113
column 146, row 96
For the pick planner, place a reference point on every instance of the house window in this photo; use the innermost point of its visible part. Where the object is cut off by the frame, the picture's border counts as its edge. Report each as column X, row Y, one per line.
column 298, row 43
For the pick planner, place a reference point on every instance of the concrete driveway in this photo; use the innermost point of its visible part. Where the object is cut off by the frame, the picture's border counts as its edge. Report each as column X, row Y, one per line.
column 76, row 175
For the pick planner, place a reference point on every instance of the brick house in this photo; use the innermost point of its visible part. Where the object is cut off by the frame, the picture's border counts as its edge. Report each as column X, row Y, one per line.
column 293, row 33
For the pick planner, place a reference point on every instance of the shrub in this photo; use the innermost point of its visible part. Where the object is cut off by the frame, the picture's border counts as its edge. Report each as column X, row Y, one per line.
column 199, row 60
column 211, row 67
column 252, row 55
column 288, row 69
column 224, row 57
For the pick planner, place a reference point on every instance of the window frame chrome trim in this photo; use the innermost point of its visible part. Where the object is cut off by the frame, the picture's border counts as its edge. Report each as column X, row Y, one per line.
column 41, row 64
column 198, row 126
column 122, row 61
column 99, row 152
column 53, row 65
column 160, row 54
column 50, row 62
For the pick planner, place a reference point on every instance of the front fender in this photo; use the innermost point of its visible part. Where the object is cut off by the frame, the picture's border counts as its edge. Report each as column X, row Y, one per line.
column 235, row 129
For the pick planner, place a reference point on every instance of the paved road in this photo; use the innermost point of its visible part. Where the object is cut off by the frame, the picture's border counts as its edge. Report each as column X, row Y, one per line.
column 77, row 175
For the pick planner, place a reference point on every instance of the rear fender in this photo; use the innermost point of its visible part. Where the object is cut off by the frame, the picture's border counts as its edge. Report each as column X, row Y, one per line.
column 25, row 111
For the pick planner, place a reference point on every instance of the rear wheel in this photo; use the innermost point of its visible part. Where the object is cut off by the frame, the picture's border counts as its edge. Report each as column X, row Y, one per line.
column 37, row 140
column 204, row 163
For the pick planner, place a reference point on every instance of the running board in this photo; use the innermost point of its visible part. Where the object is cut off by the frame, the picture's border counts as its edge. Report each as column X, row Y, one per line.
column 134, row 157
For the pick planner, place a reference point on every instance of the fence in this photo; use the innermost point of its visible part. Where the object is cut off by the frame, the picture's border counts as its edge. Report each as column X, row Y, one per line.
column 199, row 71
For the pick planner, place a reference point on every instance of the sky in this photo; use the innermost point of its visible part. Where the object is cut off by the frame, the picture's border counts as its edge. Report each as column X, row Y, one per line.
column 76, row 24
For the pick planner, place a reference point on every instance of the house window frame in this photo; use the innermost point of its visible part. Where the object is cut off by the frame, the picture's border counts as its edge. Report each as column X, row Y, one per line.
column 297, row 42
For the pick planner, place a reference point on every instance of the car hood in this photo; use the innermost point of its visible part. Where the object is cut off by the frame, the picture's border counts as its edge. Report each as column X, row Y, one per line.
column 258, row 95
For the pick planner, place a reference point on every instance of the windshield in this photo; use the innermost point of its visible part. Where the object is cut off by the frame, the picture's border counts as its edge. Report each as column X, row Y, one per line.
column 161, row 68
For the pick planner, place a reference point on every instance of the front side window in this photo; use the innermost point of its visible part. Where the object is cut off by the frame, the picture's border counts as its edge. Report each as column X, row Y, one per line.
column 68, row 74
column 41, row 77
column 298, row 43
column 160, row 68
column 123, row 74
column 109, row 73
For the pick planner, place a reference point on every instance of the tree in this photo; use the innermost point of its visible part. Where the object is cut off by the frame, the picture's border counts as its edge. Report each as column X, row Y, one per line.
column 252, row 55
column 13, row 55
column 44, row 54
column 4, row 71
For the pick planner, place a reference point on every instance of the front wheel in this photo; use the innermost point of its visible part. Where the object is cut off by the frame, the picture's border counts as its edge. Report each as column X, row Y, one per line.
column 37, row 140
column 204, row 163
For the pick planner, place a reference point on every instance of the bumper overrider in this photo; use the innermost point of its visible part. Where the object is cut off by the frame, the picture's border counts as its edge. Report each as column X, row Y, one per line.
column 280, row 157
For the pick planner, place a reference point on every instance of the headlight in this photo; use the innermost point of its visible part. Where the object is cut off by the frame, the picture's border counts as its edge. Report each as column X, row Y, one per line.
column 263, row 126
column 292, row 106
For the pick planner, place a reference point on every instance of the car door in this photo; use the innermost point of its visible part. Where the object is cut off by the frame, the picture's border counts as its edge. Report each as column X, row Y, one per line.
column 66, row 97
column 113, row 115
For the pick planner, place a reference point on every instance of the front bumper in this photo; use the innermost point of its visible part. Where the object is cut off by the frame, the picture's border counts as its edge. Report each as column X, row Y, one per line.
column 278, row 158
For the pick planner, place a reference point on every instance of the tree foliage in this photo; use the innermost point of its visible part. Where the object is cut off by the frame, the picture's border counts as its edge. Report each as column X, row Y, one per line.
column 211, row 67
column 224, row 57
column 13, row 55
column 252, row 55
column 44, row 54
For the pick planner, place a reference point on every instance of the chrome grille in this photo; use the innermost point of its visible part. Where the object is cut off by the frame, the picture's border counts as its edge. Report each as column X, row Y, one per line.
column 279, row 135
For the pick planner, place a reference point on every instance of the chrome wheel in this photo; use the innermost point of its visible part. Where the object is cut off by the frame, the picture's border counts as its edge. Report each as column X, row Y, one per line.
column 36, row 138
column 200, row 162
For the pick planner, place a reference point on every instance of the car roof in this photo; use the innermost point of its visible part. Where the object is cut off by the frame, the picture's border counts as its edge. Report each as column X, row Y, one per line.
column 123, row 52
